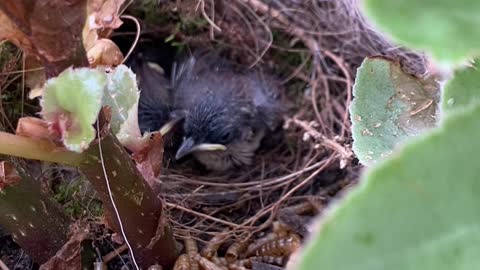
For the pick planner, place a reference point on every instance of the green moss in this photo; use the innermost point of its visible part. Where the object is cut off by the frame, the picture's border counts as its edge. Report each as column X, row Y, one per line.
column 151, row 13
column 7, row 52
column 192, row 26
column 78, row 199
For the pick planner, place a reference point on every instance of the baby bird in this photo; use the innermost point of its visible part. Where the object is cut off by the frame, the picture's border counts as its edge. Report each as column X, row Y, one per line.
column 227, row 110
column 156, row 100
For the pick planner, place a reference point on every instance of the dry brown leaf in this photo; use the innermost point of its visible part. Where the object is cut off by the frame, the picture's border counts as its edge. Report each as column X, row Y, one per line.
column 48, row 29
column 36, row 128
column 69, row 256
column 117, row 239
column 11, row 32
column 104, row 52
column 36, row 92
column 8, row 175
column 105, row 14
column 149, row 160
column 89, row 37
column 34, row 76
column 103, row 18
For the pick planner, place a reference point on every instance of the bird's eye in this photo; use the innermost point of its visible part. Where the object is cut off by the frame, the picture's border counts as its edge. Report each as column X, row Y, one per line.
column 225, row 136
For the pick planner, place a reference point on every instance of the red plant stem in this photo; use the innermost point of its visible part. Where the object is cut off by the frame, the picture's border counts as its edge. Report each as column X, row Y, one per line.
column 140, row 209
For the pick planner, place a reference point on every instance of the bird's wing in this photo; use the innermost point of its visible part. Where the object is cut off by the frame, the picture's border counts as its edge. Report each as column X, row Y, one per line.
column 266, row 98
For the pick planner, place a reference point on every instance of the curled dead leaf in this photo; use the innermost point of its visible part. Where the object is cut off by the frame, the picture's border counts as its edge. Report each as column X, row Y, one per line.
column 36, row 92
column 149, row 160
column 103, row 18
column 11, row 32
column 69, row 256
column 104, row 52
column 50, row 30
column 105, row 14
column 8, row 175
column 34, row 76
column 36, row 128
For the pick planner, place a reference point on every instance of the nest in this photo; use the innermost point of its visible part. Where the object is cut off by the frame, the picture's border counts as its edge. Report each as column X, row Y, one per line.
column 315, row 48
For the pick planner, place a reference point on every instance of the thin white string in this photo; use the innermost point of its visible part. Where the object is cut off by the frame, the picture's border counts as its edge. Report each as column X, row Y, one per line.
column 111, row 198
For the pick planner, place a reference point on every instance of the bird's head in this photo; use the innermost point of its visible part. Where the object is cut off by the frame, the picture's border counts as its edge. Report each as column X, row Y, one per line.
column 217, row 126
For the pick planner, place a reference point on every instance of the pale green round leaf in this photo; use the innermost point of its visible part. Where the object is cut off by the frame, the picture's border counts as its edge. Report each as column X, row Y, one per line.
column 418, row 210
column 389, row 106
column 448, row 29
column 463, row 89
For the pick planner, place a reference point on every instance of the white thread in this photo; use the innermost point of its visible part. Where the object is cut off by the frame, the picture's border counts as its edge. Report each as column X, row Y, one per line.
column 111, row 198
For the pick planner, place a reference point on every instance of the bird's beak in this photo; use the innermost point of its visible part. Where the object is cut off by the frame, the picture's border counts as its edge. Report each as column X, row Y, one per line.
column 210, row 147
column 169, row 126
column 185, row 149
column 188, row 146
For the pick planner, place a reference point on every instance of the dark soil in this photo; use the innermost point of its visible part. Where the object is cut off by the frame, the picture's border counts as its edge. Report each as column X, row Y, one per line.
column 15, row 258
column 12, row 255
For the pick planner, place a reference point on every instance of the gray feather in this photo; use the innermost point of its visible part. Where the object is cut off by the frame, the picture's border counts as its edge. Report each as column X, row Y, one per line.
column 156, row 99
column 225, row 104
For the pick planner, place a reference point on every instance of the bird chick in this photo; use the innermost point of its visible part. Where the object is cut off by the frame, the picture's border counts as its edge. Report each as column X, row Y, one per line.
column 227, row 110
column 155, row 106
column 156, row 99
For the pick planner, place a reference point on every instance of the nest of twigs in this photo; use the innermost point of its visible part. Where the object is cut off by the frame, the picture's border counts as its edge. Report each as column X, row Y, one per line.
column 314, row 48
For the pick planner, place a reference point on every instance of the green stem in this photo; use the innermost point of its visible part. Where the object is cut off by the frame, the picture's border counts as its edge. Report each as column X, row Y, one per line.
column 24, row 147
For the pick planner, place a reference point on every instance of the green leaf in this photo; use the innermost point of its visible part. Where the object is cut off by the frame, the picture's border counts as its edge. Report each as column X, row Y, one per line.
column 463, row 89
column 418, row 210
column 71, row 103
column 447, row 29
column 122, row 96
column 389, row 106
